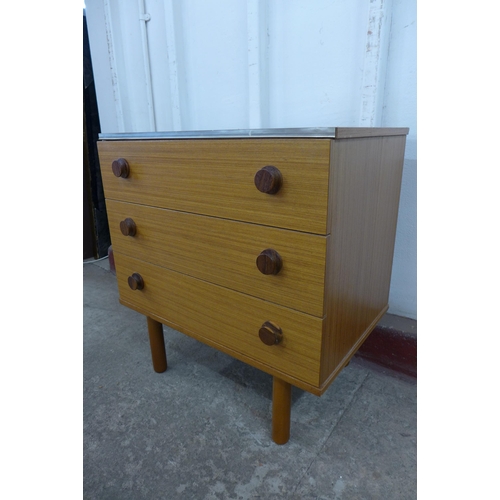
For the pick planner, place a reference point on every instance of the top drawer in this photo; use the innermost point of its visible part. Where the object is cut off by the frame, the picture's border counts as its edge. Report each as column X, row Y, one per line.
column 217, row 178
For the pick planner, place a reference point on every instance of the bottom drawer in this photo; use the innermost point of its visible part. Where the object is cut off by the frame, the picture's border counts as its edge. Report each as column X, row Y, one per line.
column 226, row 317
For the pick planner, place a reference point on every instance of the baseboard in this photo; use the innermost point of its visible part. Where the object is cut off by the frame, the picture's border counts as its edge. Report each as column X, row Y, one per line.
column 393, row 344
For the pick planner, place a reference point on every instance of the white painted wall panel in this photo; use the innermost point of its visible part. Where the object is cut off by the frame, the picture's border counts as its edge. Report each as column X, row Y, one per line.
column 104, row 67
column 159, row 64
column 400, row 108
column 316, row 61
column 215, row 58
column 130, row 65
column 220, row 64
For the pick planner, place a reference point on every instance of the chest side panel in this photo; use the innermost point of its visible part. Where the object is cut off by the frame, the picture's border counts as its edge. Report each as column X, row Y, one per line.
column 364, row 200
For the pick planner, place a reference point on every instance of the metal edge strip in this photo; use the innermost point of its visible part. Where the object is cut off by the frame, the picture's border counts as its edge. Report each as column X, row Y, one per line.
column 322, row 132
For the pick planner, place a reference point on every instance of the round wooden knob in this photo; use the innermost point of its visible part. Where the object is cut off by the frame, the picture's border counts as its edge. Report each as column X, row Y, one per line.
column 269, row 261
column 270, row 333
column 136, row 282
column 268, row 180
column 128, row 227
column 120, row 168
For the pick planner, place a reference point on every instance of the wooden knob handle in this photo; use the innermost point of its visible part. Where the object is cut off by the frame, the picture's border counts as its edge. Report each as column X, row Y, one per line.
column 136, row 282
column 121, row 168
column 128, row 227
column 268, row 180
column 269, row 261
column 270, row 333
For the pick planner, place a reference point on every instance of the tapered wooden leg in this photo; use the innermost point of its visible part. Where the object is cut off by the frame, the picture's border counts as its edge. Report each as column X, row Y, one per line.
column 157, row 344
column 282, row 403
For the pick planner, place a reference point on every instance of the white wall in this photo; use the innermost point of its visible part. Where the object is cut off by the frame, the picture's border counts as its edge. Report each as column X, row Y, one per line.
column 399, row 109
column 221, row 64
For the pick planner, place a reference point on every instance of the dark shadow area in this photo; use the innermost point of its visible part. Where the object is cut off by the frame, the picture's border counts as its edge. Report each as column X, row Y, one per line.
column 254, row 379
column 96, row 237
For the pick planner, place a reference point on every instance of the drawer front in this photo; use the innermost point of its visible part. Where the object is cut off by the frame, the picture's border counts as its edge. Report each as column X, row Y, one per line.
column 231, row 319
column 225, row 252
column 216, row 177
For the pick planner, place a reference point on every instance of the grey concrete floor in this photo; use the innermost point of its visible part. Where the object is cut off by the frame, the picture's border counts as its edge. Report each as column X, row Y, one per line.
column 201, row 430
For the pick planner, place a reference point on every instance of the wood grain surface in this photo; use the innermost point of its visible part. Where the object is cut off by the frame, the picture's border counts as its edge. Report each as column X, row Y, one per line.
column 199, row 224
column 225, row 252
column 216, row 177
column 282, row 405
column 229, row 318
column 364, row 199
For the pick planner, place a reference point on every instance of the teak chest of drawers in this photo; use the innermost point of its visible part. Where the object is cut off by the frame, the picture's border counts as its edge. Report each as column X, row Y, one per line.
column 273, row 246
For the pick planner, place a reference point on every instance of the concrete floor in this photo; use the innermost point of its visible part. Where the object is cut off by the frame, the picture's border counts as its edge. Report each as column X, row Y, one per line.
column 201, row 430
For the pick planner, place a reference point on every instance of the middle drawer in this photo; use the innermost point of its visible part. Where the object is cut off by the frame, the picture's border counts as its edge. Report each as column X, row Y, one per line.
column 225, row 252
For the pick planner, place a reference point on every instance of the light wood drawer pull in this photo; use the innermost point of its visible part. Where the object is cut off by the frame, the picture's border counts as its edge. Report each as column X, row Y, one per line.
column 128, row 227
column 120, row 168
column 268, row 180
column 135, row 282
column 269, row 261
column 270, row 333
